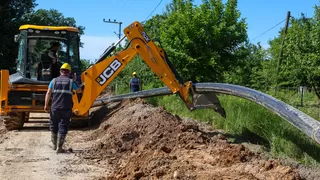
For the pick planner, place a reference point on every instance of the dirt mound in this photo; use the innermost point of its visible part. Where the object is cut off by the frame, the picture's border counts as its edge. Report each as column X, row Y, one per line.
column 145, row 142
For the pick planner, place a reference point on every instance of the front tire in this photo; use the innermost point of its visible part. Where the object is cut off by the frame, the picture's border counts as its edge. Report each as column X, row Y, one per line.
column 26, row 116
column 15, row 120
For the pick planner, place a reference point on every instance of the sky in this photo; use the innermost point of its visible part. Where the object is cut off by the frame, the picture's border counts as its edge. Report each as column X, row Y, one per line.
column 260, row 15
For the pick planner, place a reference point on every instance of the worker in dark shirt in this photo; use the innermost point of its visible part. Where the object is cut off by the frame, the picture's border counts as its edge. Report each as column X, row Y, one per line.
column 49, row 60
column 135, row 83
column 61, row 90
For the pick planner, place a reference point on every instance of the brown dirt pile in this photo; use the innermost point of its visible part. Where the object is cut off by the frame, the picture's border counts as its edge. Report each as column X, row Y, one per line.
column 145, row 142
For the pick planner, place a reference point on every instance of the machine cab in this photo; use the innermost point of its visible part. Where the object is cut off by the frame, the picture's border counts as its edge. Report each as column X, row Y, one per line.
column 39, row 59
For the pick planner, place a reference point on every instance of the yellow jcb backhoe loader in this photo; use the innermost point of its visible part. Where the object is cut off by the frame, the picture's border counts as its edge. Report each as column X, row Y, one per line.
column 24, row 91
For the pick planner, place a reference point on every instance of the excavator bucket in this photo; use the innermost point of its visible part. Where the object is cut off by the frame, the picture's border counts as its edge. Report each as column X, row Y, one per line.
column 208, row 100
column 195, row 100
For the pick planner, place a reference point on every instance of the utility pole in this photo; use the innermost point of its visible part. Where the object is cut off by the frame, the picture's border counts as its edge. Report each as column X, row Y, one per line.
column 115, row 22
column 281, row 50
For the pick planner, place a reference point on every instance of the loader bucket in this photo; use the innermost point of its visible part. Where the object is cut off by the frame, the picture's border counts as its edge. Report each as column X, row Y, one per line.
column 196, row 100
column 208, row 100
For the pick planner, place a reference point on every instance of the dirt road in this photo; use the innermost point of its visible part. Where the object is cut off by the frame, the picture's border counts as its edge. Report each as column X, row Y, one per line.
column 27, row 154
column 137, row 141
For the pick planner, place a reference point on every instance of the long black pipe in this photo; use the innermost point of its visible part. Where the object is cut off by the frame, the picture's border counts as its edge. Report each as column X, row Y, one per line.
column 298, row 119
column 140, row 94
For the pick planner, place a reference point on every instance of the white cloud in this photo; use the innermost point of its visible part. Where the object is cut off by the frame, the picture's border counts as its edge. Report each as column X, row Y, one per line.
column 94, row 46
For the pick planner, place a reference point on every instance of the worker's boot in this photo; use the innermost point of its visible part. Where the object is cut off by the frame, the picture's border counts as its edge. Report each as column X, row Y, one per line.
column 61, row 139
column 54, row 140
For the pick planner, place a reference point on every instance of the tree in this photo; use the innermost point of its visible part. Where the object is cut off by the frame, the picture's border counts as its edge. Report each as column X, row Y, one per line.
column 153, row 25
column 202, row 42
column 206, row 41
column 51, row 17
column 18, row 12
column 84, row 64
column 11, row 17
column 250, row 71
column 301, row 62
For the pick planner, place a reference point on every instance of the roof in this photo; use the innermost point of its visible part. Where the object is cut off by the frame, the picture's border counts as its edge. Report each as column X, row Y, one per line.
column 54, row 28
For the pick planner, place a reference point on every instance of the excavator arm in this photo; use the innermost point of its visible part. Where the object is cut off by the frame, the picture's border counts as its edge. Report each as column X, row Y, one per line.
column 97, row 77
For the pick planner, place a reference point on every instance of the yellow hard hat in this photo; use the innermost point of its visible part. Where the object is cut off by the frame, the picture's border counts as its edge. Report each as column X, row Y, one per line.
column 134, row 73
column 66, row 66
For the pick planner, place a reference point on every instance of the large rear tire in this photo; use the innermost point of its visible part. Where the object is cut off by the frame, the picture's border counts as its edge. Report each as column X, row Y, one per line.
column 14, row 120
column 26, row 119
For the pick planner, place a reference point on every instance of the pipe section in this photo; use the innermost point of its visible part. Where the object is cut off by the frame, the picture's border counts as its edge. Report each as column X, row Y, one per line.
column 298, row 119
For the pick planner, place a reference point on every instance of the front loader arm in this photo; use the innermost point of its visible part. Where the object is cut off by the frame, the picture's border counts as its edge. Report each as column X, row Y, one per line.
column 97, row 77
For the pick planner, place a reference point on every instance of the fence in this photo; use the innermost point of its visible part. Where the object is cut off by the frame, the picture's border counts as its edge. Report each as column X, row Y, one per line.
column 302, row 98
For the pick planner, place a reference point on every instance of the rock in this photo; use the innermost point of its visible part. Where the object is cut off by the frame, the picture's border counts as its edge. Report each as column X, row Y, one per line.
column 222, row 137
column 138, row 175
column 176, row 175
column 165, row 149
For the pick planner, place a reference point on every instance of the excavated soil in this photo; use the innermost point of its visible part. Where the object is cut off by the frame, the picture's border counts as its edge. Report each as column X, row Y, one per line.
column 139, row 141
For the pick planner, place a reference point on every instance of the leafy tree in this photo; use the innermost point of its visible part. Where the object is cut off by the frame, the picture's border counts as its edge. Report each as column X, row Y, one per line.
column 202, row 42
column 18, row 12
column 153, row 25
column 206, row 41
column 301, row 62
column 84, row 64
column 250, row 71
column 51, row 17
column 11, row 17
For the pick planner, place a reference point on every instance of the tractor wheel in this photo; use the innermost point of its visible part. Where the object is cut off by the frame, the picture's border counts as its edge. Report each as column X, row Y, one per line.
column 14, row 120
column 26, row 119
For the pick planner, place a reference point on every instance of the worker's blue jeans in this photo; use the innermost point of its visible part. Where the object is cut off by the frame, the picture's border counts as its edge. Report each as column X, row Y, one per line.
column 59, row 121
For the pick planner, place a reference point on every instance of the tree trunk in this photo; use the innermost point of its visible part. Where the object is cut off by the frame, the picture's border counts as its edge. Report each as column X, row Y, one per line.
column 316, row 90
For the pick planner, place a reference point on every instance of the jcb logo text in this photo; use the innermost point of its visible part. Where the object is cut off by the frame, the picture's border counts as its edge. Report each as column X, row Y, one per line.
column 108, row 72
column 144, row 35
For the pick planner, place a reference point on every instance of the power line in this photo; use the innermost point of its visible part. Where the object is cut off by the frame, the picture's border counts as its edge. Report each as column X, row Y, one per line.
column 132, row 2
column 153, row 10
column 121, row 5
column 268, row 30
column 114, row 21
column 125, row 2
column 118, row 3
